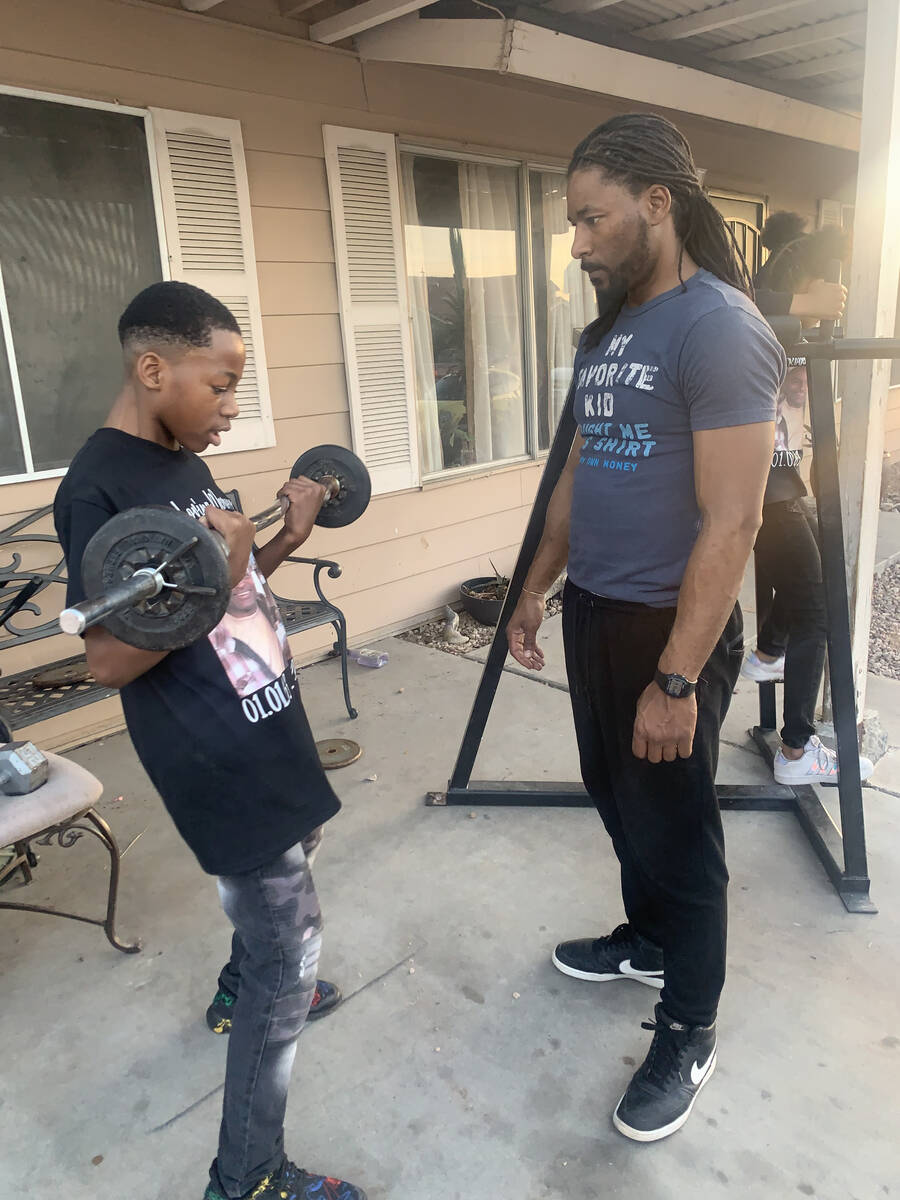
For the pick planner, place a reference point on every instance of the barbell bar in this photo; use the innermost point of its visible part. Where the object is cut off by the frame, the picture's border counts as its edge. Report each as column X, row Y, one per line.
column 159, row 580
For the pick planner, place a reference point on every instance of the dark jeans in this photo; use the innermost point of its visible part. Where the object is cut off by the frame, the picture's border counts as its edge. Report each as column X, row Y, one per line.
column 272, row 971
column 663, row 818
column 787, row 554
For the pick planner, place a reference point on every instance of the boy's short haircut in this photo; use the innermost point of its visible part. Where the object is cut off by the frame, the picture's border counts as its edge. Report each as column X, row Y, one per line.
column 173, row 315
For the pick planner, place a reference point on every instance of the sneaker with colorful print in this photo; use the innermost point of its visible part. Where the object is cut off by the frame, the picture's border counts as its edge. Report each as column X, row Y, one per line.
column 817, row 764
column 218, row 1016
column 290, row 1182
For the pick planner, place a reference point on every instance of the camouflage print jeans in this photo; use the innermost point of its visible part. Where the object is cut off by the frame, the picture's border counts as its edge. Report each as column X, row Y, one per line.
column 273, row 966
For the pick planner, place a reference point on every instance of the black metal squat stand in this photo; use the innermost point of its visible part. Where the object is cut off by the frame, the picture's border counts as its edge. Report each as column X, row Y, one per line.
column 842, row 851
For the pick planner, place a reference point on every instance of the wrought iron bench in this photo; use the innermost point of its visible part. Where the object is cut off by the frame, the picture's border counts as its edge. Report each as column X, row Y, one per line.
column 32, row 591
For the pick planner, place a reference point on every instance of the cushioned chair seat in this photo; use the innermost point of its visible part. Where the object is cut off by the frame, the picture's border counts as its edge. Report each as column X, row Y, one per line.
column 69, row 790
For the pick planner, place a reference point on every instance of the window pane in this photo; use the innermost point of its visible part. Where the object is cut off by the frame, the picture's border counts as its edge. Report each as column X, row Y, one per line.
column 12, row 460
column 462, row 255
column 564, row 301
column 77, row 240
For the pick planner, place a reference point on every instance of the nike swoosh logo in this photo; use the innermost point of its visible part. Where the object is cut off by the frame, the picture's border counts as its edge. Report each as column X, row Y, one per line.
column 626, row 968
column 698, row 1073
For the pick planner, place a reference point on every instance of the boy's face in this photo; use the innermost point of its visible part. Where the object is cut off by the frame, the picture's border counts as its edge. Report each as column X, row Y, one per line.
column 195, row 395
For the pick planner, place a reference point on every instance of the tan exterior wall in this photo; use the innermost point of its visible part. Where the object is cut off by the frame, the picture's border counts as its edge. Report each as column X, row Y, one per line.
column 410, row 551
column 892, row 423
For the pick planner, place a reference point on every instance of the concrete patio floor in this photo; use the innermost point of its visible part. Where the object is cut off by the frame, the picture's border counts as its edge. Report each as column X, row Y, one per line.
column 461, row 1066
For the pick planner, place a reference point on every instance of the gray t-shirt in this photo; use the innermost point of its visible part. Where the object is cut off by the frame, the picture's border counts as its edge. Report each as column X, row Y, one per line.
column 697, row 357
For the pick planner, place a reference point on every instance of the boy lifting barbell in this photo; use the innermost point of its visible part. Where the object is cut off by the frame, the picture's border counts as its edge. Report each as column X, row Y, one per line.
column 187, row 714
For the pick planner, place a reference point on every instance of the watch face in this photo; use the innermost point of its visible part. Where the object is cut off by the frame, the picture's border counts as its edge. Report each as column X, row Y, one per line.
column 674, row 685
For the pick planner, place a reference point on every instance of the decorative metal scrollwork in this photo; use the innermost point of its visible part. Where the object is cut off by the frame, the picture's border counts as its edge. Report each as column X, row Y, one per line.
column 65, row 835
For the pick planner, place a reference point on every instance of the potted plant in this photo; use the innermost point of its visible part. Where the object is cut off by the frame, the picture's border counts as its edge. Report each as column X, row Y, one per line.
column 483, row 596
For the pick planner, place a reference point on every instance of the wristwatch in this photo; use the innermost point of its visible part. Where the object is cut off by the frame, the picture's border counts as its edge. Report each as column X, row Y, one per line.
column 675, row 685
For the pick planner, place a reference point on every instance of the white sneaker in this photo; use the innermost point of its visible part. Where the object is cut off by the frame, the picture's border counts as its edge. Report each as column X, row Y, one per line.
column 754, row 668
column 817, row 765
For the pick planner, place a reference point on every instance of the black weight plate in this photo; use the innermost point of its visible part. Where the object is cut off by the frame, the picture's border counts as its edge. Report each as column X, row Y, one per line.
column 146, row 537
column 350, row 471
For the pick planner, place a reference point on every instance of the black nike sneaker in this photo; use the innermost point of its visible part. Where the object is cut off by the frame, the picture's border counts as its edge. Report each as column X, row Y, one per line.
column 218, row 1016
column 663, row 1089
column 622, row 954
column 290, row 1182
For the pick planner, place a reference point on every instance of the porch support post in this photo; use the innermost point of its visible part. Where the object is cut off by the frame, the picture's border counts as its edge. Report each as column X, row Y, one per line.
column 872, row 307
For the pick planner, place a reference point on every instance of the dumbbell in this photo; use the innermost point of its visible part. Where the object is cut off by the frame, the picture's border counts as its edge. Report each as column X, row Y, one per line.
column 23, row 769
column 159, row 580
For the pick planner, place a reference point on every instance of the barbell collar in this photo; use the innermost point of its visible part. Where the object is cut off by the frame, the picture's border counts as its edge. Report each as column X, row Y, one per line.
column 143, row 585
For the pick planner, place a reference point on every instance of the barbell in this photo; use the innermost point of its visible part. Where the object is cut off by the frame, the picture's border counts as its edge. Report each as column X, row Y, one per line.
column 159, row 580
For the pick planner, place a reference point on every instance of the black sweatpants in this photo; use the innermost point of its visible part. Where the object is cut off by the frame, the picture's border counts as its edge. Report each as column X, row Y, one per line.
column 663, row 818
column 787, row 554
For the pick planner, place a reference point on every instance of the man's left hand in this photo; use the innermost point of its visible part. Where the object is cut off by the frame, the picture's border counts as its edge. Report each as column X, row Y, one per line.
column 664, row 727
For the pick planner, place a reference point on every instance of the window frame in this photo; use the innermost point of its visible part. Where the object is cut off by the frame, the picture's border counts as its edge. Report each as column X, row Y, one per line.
column 5, row 325
column 523, row 164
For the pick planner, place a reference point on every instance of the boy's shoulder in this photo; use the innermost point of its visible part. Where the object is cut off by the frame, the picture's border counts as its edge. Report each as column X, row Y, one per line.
column 117, row 470
column 86, row 471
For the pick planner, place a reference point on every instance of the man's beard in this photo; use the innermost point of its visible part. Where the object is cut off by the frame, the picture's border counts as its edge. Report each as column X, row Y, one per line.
column 635, row 267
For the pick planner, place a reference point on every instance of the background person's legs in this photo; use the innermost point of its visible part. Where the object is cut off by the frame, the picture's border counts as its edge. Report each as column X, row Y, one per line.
column 788, row 549
column 275, row 912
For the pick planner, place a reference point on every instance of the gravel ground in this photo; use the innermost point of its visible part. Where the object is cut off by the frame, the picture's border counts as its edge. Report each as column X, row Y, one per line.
column 890, row 488
column 884, row 637
column 432, row 632
column 884, row 640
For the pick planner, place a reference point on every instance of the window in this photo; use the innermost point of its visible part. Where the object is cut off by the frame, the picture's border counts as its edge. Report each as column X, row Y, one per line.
column 462, row 259
column 564, row 300
column 81, row 232
column 455, row 277
column 462, row 225
column 78, row 239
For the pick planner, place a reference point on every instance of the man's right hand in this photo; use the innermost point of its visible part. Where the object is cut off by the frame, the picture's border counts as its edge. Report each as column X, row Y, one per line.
column 238, row 532
column 521, row 632
column 822, row 301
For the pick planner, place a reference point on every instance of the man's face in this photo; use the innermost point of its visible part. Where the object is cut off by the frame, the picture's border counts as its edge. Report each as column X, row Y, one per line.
column 196, row 395
column 614, row 238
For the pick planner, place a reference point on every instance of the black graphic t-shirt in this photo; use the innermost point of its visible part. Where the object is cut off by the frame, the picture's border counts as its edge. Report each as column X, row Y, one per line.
column 218, row 726
column 784, row 481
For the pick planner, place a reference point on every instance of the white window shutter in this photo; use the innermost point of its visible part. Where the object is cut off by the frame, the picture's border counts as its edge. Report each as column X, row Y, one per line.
column 363, row 183
column 206, row 209
column 829, row 213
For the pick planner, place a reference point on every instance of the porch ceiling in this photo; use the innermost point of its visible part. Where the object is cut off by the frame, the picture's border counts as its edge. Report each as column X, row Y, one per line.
column 810, row 50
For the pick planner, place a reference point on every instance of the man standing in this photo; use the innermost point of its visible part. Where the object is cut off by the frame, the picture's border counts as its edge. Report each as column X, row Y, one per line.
column 656, row 512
